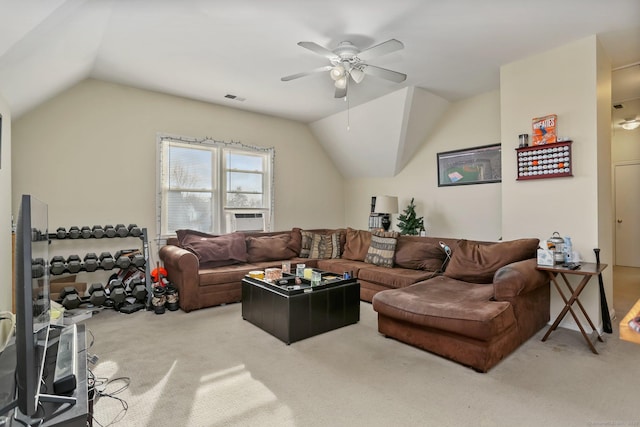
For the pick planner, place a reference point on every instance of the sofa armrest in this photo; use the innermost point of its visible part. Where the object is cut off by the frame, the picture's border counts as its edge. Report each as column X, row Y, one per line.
column 518, row 278
column 183, row 271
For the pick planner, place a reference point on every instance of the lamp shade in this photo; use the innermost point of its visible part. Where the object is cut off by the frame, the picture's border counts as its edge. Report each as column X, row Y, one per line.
column 386, row 204
column 341, row 83
column 337, row 72
column 357, row 75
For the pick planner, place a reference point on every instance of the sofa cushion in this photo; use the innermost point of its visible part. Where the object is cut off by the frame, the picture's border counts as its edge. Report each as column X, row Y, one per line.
column 356, row 244
column 418, row 254
column 382, row 248
column 269, row 248
column 225, row 274
column 448, row 305
column 325, row 246
column 341, row 265
column 214, row 251
column 392, row 277
column 477, row 263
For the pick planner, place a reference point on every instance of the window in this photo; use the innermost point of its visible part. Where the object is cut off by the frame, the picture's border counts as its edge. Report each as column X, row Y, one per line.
column 204, row 184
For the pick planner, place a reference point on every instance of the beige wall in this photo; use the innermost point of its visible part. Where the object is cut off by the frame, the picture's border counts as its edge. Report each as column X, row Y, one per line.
column 90, row 153
column 5, row 208
column 468, row 211
column 570, row 81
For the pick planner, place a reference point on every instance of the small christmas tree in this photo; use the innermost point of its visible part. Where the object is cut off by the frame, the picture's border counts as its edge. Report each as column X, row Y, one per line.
column 409, row 223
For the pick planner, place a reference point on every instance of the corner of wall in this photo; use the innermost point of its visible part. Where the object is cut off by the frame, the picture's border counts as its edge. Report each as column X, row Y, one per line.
column 6, row 266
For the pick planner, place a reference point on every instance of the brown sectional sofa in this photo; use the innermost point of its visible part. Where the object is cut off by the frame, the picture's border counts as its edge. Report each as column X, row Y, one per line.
column 487, row 302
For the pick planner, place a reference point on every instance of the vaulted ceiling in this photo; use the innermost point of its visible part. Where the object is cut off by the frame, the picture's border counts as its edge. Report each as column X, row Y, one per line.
column 206, row 49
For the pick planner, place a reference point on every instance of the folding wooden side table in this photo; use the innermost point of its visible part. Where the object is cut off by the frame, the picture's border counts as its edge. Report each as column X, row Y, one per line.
column 587, row 270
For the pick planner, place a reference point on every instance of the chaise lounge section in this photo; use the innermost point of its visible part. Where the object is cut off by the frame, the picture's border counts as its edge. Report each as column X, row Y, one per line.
column 471, row 318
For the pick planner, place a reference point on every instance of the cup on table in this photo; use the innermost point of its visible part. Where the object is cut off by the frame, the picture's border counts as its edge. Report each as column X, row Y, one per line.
column 316, row 276
column 286, row 266
column 257, row 274
column 300, row 270
column 307, row 273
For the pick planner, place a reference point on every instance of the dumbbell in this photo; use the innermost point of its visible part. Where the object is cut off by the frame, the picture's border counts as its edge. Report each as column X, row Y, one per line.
column 138, row 290
column 138, row 260
column 74, row 264
column 109, row 231
column 134, row 230
column 97, row 296
column 70, row 298
column 121, row 230
column 91, row 262
column 57, row 265
column 85, row 232
column 74, row 232
column 97, row 231
column 106, row 261
column 61, row 233
column 124, row 253
column 37, row 268
column 117, row 293
column 122, row 260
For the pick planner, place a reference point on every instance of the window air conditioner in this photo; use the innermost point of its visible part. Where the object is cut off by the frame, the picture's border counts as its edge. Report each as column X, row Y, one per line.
column 247, row 222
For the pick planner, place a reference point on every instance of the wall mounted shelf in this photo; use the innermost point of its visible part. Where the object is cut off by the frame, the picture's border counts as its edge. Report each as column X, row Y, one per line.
column 545, row 161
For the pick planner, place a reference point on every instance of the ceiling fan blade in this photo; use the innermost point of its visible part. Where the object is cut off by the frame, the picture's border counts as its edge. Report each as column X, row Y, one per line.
column 394, row 76
column 320, row 50
column 306, row 73
column 341, row 92
column 383, row 48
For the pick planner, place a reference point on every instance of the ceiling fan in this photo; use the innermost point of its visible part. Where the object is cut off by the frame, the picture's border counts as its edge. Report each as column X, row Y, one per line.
column 349, row 63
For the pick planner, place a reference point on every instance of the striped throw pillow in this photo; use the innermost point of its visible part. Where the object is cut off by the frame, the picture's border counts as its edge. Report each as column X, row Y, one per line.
column 382, row 248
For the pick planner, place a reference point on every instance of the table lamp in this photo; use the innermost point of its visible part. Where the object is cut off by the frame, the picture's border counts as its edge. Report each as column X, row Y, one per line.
column 386, row 205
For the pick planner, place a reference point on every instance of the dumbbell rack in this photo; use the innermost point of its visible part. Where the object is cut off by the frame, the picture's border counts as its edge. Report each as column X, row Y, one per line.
column 145, row 253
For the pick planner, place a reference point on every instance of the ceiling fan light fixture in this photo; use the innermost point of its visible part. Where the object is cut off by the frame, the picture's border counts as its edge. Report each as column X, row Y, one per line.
column 337, row 72
column 341, row 83
column 357, row 75
column 630, row 124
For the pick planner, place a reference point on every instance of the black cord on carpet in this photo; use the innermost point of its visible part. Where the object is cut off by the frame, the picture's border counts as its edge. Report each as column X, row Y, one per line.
column 99, row 386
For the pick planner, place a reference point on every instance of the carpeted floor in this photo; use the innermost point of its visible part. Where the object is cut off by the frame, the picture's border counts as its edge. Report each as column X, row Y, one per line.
column 211, row 368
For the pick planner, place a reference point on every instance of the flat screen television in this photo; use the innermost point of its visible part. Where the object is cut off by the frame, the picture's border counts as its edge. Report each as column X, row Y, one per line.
column 32, row 301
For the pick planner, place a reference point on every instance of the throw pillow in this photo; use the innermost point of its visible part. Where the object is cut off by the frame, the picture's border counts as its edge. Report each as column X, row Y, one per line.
column 417, row 253
column 357, row 244
column 382, row 248
column 477, row 263
column 296, row 240
column 214, row 250
column 269, row 248
column 187, row 235
column 325, row 246
column 305, row 243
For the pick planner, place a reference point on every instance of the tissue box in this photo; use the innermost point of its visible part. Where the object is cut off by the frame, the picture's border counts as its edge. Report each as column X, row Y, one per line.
column 545, row 257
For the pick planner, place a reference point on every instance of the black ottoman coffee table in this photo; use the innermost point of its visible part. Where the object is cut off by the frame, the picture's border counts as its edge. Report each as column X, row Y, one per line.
column 293, row 312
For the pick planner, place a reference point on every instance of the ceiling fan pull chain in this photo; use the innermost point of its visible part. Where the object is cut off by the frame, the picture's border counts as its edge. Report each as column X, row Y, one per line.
column 346, row 98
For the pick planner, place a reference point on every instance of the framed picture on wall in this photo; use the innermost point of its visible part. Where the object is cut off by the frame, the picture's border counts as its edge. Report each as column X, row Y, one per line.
column 477, row 165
